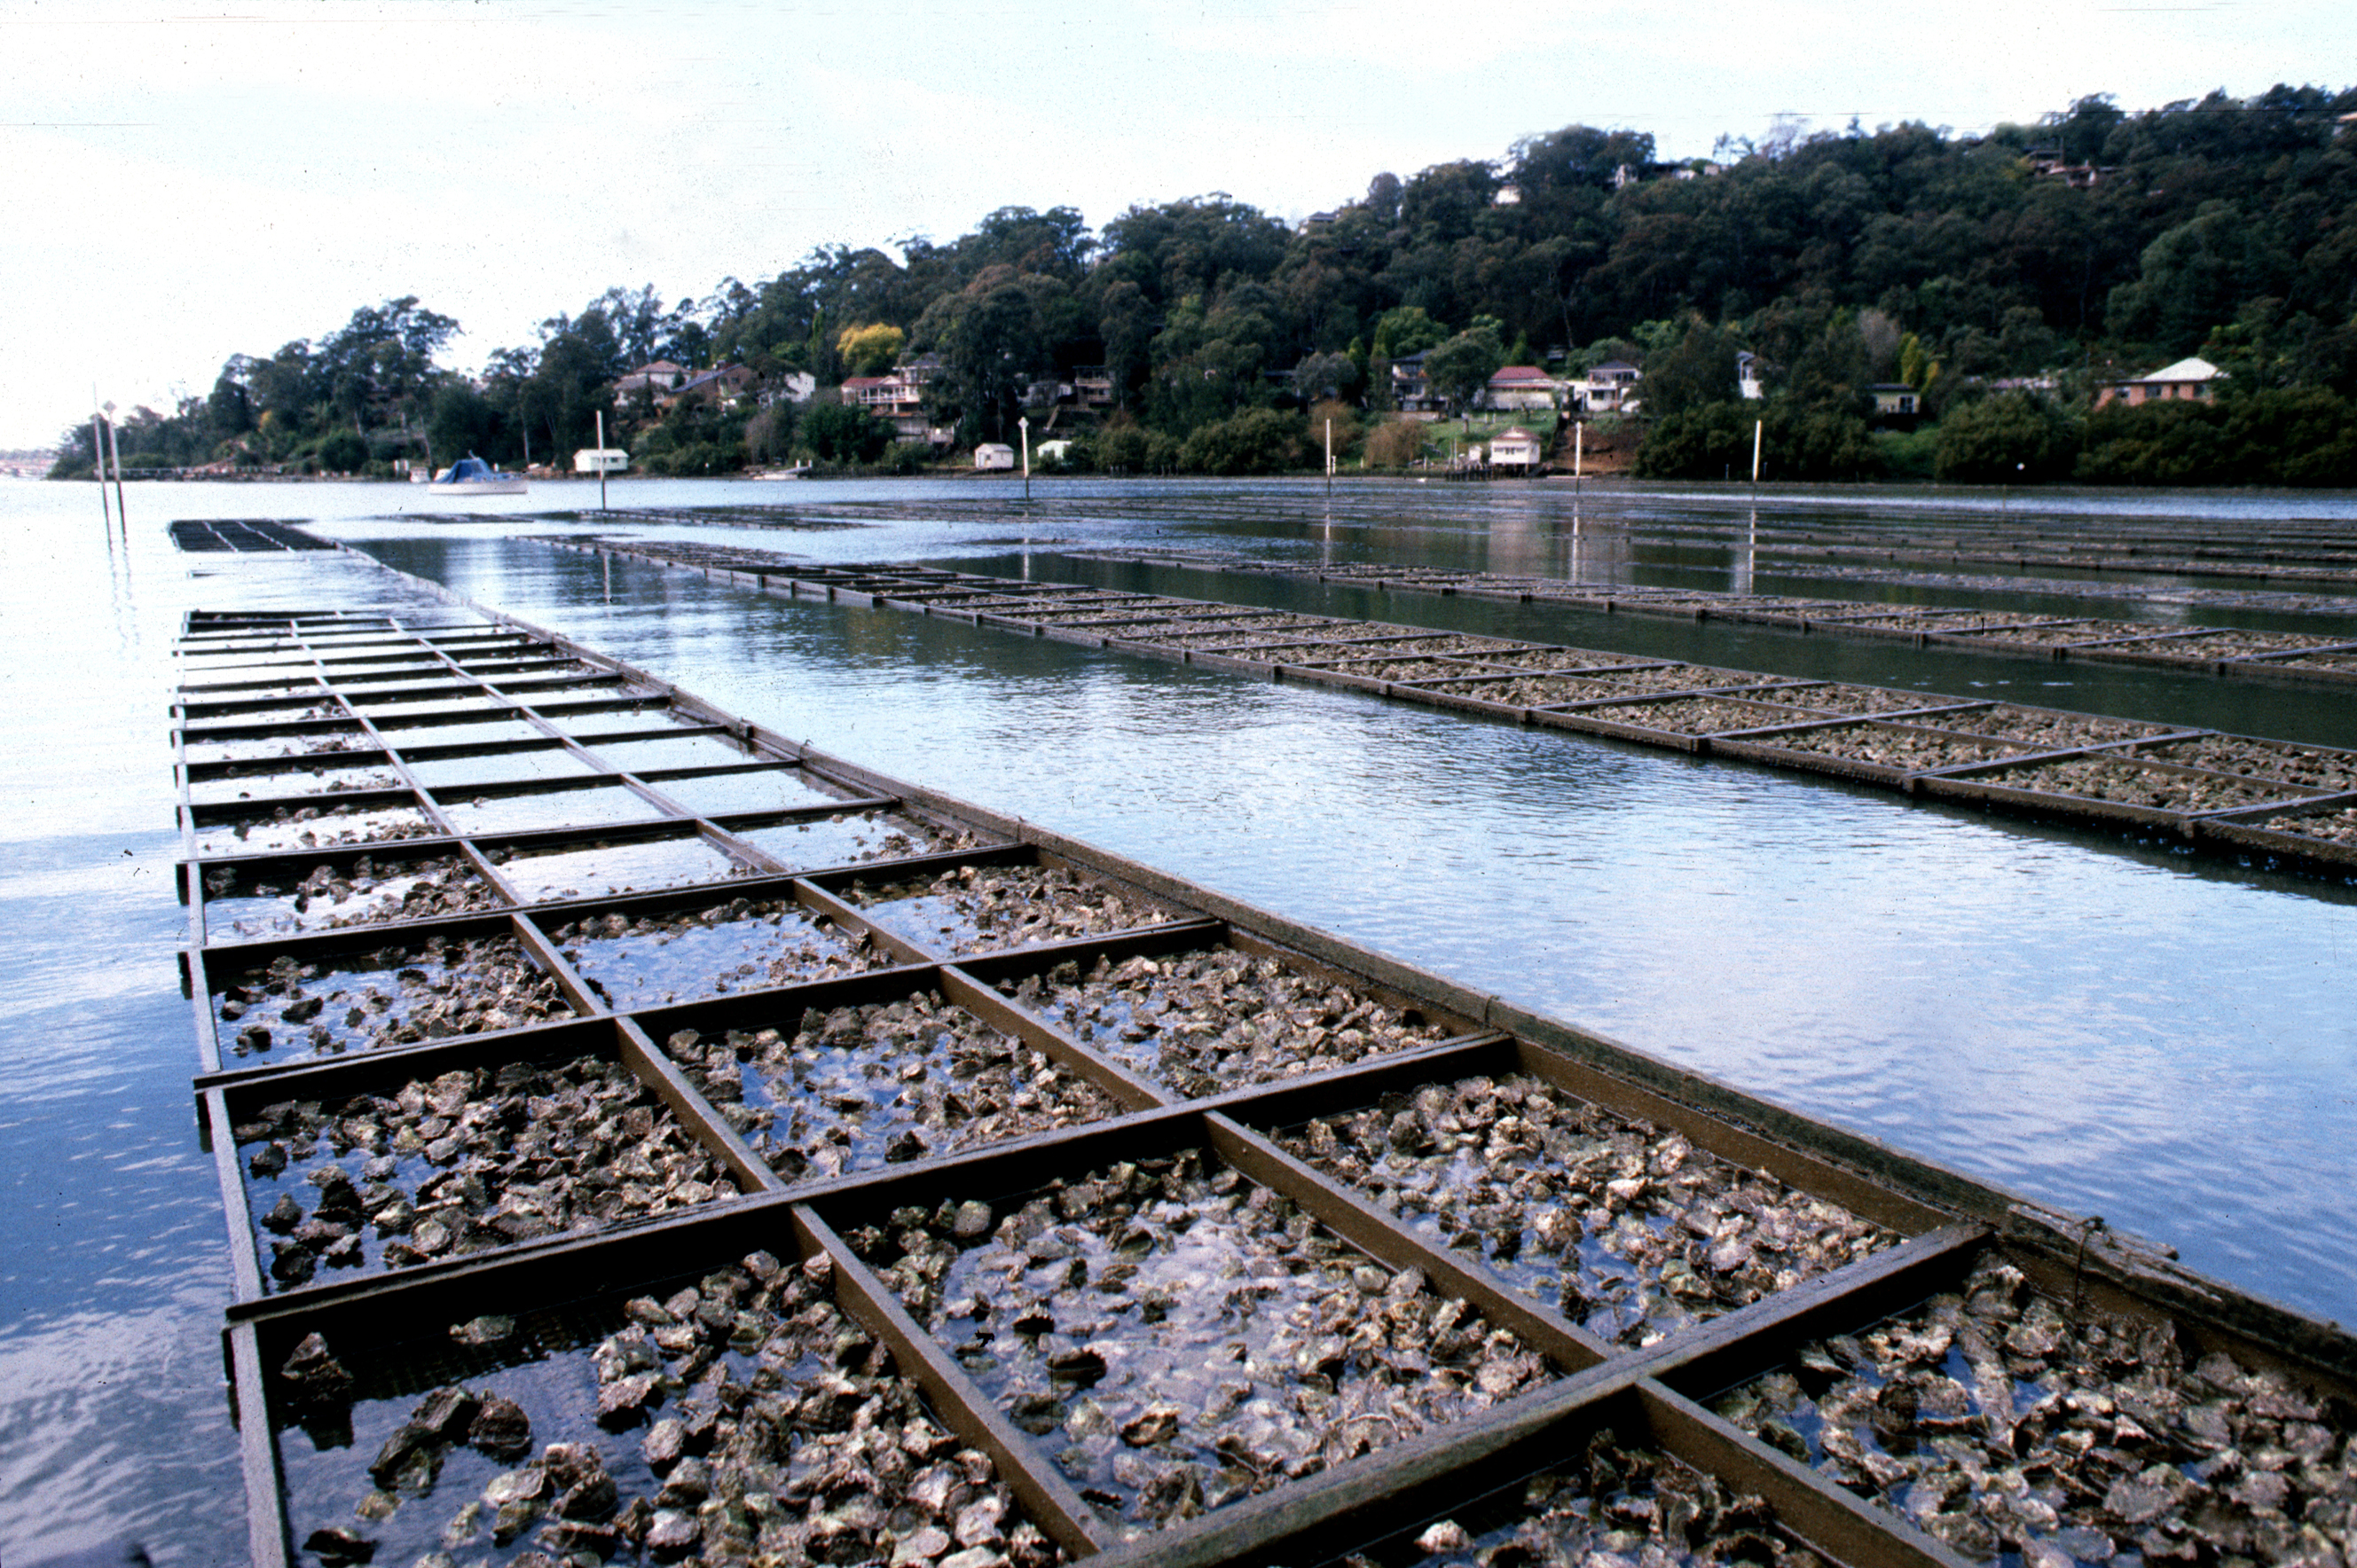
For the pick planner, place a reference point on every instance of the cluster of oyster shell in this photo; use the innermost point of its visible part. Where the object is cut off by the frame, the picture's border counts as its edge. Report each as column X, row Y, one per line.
column 473, row 1159
column 318, row 779
column 739, row 1420
column 982, row 908
column 1627, row 1230
column 2006, row 1425
column 1204, row 1021
column 316, row 827
column 2317, row 770
column 2035, row 730
column 901, row 837
column 396, row 997
column 201, row 749
column 1909, row 750
column 2238, row 643
column 863, row 1086
column 2336, row 827
column 1696, row 715
column 1530, row 691
column 363, row 894
column 1557, row 658
column 1839, row 698
column 745, row 944
column 1181, row 1337
column 1408, row 669
column 2122, row 780
column 1614, row 1506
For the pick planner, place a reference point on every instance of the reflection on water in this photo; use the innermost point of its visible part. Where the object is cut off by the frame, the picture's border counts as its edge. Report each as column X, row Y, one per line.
column 2105, row 1025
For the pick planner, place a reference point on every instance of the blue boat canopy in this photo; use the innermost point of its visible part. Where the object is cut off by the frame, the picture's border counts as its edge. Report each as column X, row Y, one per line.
column 467, row 468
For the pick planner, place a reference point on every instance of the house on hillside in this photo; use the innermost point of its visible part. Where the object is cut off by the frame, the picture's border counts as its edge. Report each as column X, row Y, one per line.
column 1411, row 387
column 1523, row 386
column 653, row 377
column 993, row 457
column 1895, row 401
column 1748, row 384
column 789, row 386
column 2194, row 379
column 1514, row 448
column 724, row 384
column 1611, row 388
column 900, row 398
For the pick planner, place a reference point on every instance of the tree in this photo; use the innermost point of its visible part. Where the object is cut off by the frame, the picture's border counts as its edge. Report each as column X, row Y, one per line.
column 1404, row 331
column 869, row 350
column 380, row 363
column 2012, row 438
column 1460, row 368
column 1325, row 376
column 838, row 432
column 1699, row 370
column 1258, row 441
column 992, row 344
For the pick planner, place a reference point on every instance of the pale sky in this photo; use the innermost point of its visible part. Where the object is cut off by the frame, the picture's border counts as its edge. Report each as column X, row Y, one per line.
column 178, row 184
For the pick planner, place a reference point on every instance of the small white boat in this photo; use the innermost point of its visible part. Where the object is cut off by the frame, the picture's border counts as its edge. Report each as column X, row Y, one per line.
column 796, row 472
column 470, row 476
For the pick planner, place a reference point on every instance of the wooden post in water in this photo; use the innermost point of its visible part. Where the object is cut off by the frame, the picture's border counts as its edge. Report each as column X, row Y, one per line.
column 1023, row 422
column 1758, row 426
column 1578, row 449
column 115, row 451
column 98, row 460
column 1329, row 457
column 601, row 459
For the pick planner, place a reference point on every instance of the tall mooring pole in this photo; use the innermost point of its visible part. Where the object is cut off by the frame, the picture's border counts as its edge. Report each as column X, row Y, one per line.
column 115, row 451
column 98, row 459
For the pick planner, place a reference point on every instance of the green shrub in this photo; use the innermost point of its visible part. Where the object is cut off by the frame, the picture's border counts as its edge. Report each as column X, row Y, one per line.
column 1258, row 441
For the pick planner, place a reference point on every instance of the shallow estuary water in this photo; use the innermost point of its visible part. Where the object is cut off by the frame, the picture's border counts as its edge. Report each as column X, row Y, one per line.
column 2098, row 1022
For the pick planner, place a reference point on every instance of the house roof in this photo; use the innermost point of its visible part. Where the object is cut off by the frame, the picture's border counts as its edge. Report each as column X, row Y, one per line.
column 853, row 382
column 660, row 367
column 1514, row 433
column 1613, row 365
column 1519, row 374
column 2195, row 368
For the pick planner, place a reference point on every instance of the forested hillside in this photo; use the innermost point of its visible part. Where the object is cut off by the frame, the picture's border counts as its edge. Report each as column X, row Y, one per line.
column 2002, row 277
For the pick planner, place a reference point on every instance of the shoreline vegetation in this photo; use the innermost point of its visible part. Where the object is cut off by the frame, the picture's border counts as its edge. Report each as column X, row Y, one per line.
column 1900, row 304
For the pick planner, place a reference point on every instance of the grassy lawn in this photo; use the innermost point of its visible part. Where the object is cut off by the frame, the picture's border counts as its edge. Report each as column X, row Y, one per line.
column 1484, row 426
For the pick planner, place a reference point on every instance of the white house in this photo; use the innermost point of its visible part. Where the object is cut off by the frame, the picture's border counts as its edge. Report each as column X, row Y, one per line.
column 1523, row 386
column 1748, row 384
column 2195, row 379
column 994, row 454
column 1610, row 387
column 1514, row 447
